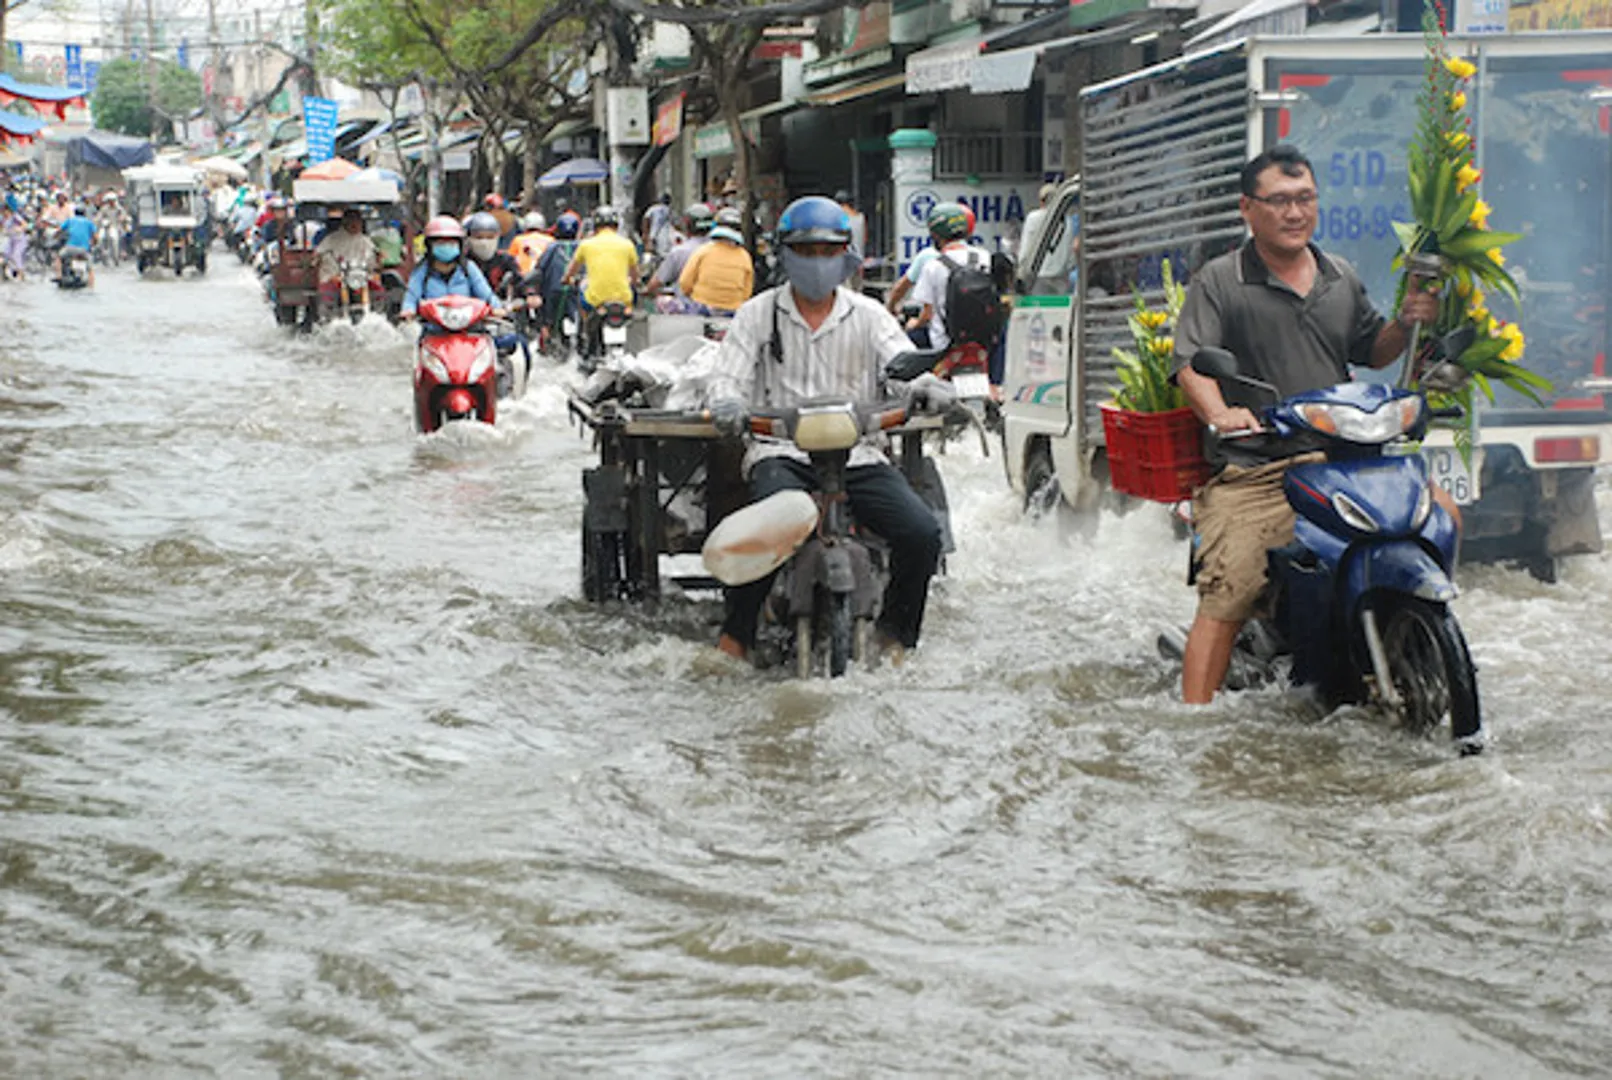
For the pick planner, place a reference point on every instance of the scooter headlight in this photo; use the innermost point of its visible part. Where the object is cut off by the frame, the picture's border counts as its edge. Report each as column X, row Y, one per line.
column 483, row 362
column 1388, row 421
column 1353, row 514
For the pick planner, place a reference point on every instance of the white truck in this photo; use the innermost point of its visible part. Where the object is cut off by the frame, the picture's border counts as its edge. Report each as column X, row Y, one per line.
column 1161, row 151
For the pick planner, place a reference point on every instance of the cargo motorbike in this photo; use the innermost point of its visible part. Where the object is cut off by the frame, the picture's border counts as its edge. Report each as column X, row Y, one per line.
column 1363, row 592
column 75, row 269
column 832, row 573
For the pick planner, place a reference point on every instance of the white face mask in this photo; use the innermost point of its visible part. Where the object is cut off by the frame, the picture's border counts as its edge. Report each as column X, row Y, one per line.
column 484, row 247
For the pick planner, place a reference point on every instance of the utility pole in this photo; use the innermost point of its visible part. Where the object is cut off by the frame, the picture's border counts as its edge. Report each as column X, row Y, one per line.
column 151, row 63
column 310, row 41
column 214, row 63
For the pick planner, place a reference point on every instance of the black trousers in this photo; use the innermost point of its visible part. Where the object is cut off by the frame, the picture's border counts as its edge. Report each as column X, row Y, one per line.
column 881, row 500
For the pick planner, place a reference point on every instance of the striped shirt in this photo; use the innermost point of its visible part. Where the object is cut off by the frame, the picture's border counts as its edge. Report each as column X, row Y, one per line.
column 844, row 357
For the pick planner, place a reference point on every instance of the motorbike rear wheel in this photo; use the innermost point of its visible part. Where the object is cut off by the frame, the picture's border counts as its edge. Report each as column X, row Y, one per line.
column 1432, row 670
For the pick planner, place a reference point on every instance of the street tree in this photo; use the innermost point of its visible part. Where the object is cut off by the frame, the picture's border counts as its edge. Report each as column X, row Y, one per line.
column 123, row 100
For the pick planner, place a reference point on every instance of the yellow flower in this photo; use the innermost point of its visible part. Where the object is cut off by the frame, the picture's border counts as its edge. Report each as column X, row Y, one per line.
column 1151, row 319
column 1463, row 283
column 1495, row 256
column 1461, row 69
column 1491, row 327
column 1467, row 177
column 1457, row 101
column 1457, row 140
column 1163, row 346
column 1477, row 313
column 1511, row 333
column 1479, row 218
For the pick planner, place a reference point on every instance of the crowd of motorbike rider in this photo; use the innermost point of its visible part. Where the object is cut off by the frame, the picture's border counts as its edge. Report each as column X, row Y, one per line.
column 44, row 222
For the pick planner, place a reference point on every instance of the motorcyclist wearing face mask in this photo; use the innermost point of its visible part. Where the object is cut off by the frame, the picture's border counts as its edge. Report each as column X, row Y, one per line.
column 811, row 338
column 503, row 274
column 444, row 270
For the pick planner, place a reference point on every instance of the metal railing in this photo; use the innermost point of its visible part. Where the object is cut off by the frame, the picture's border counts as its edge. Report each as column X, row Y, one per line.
column 988, row 155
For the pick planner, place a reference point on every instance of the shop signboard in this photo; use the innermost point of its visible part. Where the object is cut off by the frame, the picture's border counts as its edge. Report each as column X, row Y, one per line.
column 1560, row 15
column 319, row 128
column 669, row 120
column 999, row 208
column 75, row 65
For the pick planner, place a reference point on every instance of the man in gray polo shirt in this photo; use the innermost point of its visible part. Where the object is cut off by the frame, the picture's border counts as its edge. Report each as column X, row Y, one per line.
column 1294, row 317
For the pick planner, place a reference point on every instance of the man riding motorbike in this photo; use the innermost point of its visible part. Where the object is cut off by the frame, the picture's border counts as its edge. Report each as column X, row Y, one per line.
column 671, row 300
column 503, row 275
column 610, row 262
column 1296, row 318
column 346, row 246
column 720, row 276
column 950, row 226
column 528, row 246
column 812, row 338
column 557, row 299
column 78, row 238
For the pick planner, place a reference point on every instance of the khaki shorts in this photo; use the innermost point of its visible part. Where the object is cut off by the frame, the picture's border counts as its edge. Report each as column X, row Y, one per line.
column 1238, row 516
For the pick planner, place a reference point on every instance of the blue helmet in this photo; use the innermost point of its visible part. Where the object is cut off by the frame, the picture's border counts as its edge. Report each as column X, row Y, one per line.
column 566, row 226
column 814, row 219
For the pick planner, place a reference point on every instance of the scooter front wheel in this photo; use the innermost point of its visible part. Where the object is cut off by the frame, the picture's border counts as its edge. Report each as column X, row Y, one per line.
column 841, row 633
column 1432, row 670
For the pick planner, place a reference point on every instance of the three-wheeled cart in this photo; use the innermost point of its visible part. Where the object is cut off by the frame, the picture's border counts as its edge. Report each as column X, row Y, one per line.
column 665, row 479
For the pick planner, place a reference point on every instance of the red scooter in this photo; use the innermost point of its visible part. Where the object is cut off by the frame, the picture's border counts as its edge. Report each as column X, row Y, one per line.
column 456, row 364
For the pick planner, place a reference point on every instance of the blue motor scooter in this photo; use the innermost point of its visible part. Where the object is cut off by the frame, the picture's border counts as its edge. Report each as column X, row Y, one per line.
column 1364, row 589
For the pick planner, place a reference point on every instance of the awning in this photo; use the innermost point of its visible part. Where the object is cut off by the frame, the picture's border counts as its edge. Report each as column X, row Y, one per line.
column 19, row 127
column 942, row 67
column 1011, row 71
column 54, row 97
column 372, row 134
column 840, row 94
column 1259, row 17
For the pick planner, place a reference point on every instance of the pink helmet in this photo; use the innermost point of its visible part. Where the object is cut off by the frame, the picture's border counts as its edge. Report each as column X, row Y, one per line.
column 444, row 227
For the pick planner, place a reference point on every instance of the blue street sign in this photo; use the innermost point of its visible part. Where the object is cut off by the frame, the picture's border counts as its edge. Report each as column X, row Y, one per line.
column 75, row 66
column 319, row 128
column 184, row 53
column 16, row 51
column 92, row 74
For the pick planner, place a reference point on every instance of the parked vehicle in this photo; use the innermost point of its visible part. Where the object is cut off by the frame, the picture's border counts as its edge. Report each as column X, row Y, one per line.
column 1364, row 589
column 1161, row 153
column 172, row 217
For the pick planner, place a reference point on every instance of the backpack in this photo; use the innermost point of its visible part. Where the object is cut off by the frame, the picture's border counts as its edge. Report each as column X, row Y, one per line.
column 973, row 304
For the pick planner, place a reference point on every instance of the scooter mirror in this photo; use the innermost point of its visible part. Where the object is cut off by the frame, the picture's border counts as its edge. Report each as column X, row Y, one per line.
column 904, row 367
column 1457, row 341
column 1216, row 363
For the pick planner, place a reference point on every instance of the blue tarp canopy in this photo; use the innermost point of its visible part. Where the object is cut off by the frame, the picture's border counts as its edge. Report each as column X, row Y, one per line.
column 16, row 126
column 104, row 150
column 576, row 171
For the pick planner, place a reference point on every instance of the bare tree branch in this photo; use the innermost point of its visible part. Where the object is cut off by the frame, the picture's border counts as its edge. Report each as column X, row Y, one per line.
column 715, row 14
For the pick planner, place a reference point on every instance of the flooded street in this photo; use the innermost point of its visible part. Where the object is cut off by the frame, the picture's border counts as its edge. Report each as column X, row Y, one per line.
column 313, row 763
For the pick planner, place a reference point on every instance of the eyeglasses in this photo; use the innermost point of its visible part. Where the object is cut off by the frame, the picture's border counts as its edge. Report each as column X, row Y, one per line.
column 1304, row 201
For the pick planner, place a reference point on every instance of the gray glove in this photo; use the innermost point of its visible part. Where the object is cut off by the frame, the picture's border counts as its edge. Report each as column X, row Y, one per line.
column 929, row 393
column 730, row 417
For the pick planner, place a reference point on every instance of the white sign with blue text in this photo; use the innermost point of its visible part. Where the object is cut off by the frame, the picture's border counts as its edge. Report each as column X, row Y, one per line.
column 999, row 208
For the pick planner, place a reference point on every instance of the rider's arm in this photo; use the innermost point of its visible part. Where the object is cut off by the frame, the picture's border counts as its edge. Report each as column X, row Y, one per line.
column 898, row 293
column 414, row 293
column 478, row 285
column 1389, row 338
column 691, row 271
column 574, row 269
column 733, row 372
column 1198, row 326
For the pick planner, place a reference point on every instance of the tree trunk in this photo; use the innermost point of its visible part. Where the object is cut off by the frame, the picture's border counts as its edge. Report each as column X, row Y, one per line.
column 529, row 158
column 741, row 163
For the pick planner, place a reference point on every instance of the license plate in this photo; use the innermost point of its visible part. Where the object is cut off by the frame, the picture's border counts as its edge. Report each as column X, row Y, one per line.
column 971, row 384
column 1454, row 475
column 615, row 335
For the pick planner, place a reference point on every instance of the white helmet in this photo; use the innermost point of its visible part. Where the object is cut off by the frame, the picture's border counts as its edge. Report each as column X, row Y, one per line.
column 535, row 221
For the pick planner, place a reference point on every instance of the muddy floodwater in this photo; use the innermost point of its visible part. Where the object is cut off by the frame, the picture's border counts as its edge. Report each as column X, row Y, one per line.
column 313, row 763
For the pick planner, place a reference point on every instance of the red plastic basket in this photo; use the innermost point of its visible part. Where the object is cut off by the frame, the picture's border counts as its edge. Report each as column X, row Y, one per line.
column 1157, row 456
